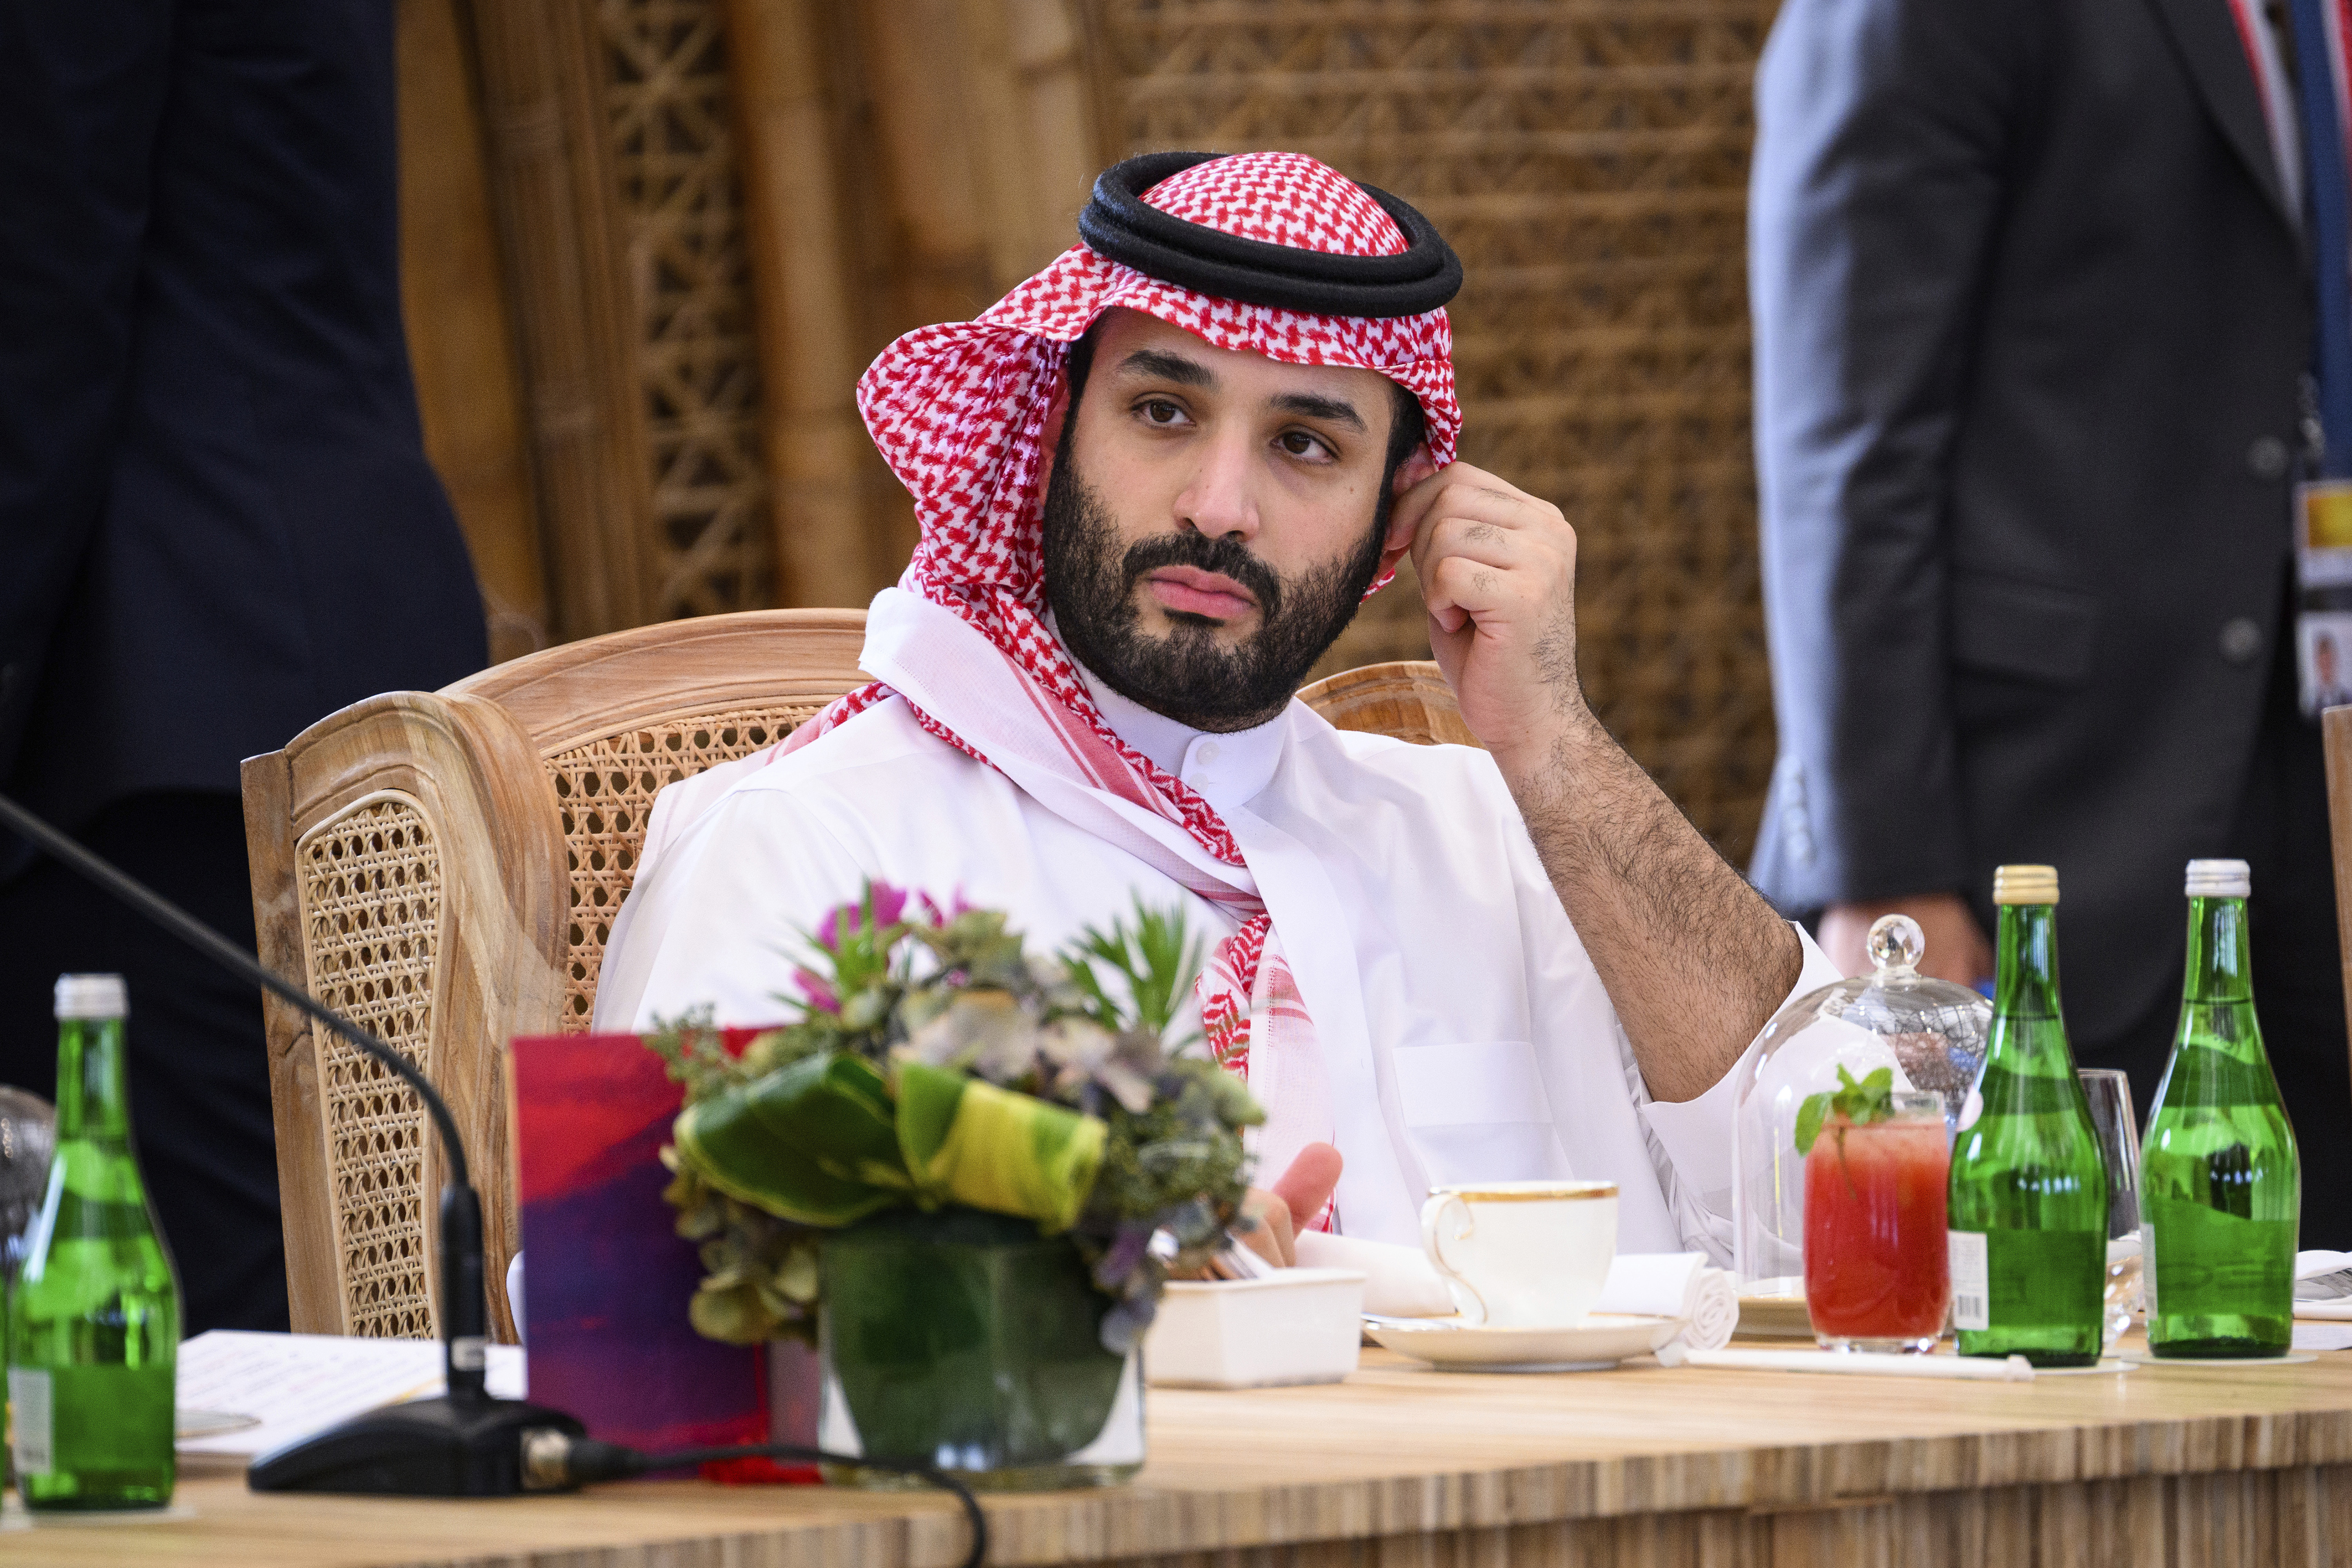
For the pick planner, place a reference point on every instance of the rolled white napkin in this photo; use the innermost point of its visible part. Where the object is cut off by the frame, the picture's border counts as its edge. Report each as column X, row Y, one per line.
column 1399, row 1281
column 1674, row 1284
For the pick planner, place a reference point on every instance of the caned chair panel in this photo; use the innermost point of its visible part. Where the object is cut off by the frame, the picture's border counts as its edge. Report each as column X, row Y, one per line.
column 617, row 717
column 444, row 867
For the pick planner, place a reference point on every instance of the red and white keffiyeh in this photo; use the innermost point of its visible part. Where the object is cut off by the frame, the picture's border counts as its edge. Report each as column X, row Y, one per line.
column 959, row 411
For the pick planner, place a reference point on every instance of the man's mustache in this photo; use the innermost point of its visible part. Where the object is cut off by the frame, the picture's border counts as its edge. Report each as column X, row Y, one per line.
column 1223, row 555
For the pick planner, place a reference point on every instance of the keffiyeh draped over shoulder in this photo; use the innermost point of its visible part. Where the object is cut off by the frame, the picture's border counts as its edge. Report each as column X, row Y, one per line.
column 959, row 411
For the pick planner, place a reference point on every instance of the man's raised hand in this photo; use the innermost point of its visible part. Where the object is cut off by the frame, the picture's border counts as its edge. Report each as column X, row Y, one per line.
column 1692, row 958
column 1498, row 570
column 1287, row 1207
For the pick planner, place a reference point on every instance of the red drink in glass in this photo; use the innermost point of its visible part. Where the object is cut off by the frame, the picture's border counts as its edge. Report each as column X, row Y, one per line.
column 1877, row 1267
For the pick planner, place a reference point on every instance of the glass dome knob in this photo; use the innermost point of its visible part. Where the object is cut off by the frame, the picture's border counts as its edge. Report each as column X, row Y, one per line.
column 1895, row 942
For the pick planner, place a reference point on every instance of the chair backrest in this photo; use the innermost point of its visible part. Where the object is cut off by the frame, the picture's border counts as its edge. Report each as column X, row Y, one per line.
column 444, row 867
column 615, row 719
column 1407, row 698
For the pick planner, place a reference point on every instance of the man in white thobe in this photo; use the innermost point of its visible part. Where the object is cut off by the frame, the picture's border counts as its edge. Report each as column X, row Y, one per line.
column 1455, row 965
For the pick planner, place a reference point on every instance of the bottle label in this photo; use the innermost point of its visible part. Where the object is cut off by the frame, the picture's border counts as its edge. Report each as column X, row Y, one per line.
column 29, row 1413
column 1971, row 1279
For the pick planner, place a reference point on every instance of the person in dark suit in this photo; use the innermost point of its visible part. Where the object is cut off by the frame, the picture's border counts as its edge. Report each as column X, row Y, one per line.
column 2034, row 325
column 219, row 521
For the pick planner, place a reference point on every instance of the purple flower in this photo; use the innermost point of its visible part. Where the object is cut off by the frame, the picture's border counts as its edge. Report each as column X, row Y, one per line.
column 889, row 903
column 847, row 920
column 817, row 989
column 1128, row 1246
column 939, row 917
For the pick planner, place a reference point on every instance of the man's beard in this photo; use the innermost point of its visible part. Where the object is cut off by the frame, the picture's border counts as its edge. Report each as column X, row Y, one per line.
column 1186, row 675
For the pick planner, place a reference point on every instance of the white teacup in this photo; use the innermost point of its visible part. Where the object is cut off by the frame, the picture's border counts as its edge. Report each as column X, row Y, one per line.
column 1528, row 1254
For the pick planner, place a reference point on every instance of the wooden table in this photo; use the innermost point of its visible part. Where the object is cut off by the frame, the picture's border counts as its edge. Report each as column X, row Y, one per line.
column 1400, row 1466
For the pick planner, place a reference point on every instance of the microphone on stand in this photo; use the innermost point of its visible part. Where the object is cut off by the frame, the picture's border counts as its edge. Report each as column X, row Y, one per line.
column 467, row 1442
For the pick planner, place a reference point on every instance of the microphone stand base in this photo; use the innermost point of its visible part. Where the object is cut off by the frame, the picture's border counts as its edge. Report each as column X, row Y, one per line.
column 428, row 1448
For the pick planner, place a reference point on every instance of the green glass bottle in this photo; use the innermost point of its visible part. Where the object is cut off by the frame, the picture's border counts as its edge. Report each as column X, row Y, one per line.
column 2029, row 1196
column 2221, row 1187
column 94, row 1332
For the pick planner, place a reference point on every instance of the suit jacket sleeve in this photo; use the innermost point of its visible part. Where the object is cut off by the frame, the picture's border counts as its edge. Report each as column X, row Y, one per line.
column 1884, row 127
column 85, row 88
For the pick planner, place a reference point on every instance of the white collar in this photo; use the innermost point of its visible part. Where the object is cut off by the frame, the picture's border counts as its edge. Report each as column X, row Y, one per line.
column 1227, row 769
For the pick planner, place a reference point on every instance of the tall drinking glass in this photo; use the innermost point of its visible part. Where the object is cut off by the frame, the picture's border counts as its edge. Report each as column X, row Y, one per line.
column 2109, row 1093
column 1877, row 1271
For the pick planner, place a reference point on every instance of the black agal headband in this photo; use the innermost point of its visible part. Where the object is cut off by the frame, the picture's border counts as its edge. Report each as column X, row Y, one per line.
column 1119, row 224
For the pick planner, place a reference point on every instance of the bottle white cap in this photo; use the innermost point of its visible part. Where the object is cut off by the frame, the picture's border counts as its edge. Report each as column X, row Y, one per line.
column 2220, row 879
column 93, row 996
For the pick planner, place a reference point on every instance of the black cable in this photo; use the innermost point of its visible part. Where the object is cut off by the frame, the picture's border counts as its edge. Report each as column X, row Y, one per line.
column 219, row 948
column 584, row 1460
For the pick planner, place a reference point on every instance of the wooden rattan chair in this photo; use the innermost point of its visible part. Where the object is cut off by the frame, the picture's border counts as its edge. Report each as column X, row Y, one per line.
column 1407, row 698
column 444, row 867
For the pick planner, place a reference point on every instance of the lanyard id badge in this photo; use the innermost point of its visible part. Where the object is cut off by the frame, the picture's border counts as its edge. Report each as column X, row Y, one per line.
column 2323, row 576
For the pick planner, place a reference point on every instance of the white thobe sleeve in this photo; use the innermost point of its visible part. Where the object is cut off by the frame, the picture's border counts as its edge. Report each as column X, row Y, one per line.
column 1690, row 1139
column 721, row 918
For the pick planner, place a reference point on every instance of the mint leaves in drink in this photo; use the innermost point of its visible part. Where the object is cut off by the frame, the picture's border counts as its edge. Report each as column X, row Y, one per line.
column 1861, row 1102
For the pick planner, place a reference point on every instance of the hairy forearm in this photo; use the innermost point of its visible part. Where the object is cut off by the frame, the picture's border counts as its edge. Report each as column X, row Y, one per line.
column 1692, row 958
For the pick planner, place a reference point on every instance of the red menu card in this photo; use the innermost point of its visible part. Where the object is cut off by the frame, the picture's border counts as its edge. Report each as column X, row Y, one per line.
column 607, row 1276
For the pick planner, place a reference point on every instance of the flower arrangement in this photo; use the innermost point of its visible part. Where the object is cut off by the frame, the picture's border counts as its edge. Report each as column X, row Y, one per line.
column 936, row 1062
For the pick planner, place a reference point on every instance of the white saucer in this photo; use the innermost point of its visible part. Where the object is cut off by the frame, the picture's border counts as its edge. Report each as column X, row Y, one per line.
column 1594, row 1344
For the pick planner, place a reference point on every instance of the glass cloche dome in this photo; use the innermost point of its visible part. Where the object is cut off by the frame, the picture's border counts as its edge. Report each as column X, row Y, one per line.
column 1931, row 1032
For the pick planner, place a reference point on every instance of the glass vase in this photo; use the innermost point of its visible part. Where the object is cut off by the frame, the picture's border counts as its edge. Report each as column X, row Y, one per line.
column 966, row 1341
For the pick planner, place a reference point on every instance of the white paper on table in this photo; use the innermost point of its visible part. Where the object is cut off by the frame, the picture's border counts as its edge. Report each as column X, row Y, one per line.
column 2322, row 1337
column 2322, row 1277
column 298, row 1384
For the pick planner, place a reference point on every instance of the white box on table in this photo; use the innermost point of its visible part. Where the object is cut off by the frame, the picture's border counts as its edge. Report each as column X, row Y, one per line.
column 1296, row 1325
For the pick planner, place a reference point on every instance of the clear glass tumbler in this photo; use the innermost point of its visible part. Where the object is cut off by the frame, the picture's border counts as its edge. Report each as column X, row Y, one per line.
column 2109, row 1092
column 1877, row 1267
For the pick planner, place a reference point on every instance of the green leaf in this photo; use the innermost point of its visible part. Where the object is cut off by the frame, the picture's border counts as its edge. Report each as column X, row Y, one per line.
column 1157, row 957
column 1810, row 1117
column 1860, row 1102
column 808, row 1142
column 971, row 1143
column 733, row 1314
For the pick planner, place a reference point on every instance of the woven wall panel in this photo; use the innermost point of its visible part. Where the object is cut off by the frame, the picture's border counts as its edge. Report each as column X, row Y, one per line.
column 370, row 886
column 674, row 160
column 1587, row 158
column 606, row 788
